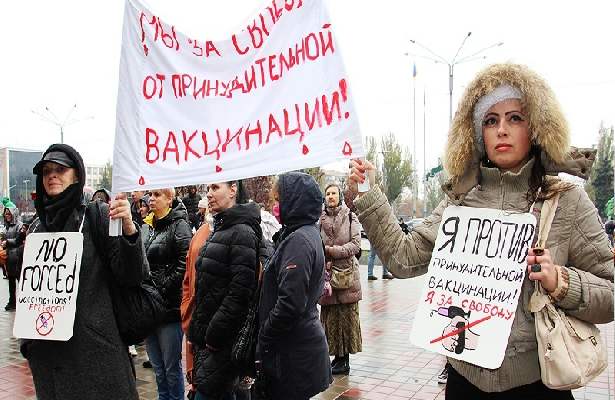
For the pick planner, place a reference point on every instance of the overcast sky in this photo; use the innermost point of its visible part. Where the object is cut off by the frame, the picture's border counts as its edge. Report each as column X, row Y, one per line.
column 60, row 53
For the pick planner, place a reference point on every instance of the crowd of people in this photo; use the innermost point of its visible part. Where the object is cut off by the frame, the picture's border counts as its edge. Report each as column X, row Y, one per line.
column 211, row 258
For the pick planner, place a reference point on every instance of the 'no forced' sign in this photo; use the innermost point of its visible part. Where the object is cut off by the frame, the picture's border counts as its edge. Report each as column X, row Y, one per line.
column 48, row 286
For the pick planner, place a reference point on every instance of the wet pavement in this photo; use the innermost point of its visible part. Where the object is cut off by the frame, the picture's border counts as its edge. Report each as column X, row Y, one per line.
column 388, row 368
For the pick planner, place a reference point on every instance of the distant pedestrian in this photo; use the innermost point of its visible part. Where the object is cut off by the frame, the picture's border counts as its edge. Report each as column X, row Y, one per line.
column 12, row 243
column 136, row 197
column 403, row 226
column 191, row 201
column 609, row 228
column 339, row 313
column 371, row 260
column 103, row 195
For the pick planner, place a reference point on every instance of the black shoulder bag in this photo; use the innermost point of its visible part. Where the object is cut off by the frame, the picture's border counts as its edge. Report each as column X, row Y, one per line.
column 139, row 309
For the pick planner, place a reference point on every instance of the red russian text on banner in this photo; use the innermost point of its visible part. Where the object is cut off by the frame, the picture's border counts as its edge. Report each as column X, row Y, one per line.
column 269, row 99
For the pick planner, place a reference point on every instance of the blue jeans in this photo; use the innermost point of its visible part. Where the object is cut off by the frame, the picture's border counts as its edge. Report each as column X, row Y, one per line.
column 164, row 349
column 370, row 263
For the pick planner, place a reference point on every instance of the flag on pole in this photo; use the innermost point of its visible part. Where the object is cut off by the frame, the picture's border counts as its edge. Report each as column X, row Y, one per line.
column 414, row 70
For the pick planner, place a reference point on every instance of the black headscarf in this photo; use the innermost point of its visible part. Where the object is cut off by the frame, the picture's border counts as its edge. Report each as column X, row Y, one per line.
column 56, row 214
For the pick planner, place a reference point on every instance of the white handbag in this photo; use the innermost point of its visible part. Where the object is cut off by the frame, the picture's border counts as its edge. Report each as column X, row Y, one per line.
column 570, row 351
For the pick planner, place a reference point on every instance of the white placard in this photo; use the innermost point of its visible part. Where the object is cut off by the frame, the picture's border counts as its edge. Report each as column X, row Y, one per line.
column 48, row 286
column 269, row 99
column 473, row 284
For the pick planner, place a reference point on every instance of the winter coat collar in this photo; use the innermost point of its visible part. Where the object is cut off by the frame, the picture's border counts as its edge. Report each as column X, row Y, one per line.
column 248, row 214
column 578, row 162
column 178, row 211
column 492, row 178
column 332, row 211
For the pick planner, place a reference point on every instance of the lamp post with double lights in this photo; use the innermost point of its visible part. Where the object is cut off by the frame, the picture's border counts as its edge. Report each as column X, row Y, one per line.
column 53, row 119
column 451, row 64
column 438, row 59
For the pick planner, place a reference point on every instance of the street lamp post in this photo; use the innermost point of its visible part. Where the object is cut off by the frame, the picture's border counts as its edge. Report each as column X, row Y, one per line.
column 56, row 121
column 451, row 64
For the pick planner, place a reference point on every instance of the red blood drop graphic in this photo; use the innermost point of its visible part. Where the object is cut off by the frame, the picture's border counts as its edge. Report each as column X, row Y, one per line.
column 347, row 115
column 305, row 149
column 218, row 169
column 343, row 89
column 347, row 150
column 141, row 181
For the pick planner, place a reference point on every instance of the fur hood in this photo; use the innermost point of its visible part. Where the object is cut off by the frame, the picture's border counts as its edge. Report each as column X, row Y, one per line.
column 547, row 124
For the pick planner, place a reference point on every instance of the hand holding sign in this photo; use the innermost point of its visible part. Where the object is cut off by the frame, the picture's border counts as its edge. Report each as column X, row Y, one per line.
column 119, row 209
column 474, row 284
column 358, row 171
column 547, row 276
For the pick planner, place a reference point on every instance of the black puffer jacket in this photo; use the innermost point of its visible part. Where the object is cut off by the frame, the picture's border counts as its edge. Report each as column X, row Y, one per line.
column 166, row 248
column 292, row 343
column 226, row 270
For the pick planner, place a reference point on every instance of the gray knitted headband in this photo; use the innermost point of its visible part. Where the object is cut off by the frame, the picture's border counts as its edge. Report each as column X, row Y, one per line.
column 501, row 93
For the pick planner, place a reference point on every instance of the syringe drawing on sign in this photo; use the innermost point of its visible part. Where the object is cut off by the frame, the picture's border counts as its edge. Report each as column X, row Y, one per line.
column 457, row 336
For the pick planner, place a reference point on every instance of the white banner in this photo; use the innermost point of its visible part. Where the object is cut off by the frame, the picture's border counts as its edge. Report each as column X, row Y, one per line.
column 272, row 98
column 473, row 285
column 48, row 286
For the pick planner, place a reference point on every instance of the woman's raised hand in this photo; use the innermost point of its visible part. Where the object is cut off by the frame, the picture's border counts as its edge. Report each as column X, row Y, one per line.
column 120, row 208
column 359, row 171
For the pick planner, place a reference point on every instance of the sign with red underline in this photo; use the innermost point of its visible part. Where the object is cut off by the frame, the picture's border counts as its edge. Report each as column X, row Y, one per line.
column 473, row 284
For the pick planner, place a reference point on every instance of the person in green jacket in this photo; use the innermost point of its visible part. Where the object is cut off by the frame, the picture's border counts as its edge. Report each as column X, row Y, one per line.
column 507, row 143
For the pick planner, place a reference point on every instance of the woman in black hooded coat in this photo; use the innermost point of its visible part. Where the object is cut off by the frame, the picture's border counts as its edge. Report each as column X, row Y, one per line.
column 292, row 345
column 94, row 363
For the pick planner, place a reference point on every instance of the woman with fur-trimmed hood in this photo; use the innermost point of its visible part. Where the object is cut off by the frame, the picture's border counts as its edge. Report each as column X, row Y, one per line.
column 508, row 142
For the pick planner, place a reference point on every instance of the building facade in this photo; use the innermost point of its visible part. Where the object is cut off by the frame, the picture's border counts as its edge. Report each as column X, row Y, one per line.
column 93, row 175
column 17, row 180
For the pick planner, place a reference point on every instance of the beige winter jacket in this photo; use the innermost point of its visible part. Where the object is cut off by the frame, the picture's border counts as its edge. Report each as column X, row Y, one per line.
column 340, row 230
column 577, row 238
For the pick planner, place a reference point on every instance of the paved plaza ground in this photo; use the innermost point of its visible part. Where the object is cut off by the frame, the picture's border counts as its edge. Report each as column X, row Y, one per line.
column 388, row 368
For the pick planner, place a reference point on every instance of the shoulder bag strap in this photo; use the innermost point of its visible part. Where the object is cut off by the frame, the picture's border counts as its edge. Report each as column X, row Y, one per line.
column 547, row 213
column 350, row 225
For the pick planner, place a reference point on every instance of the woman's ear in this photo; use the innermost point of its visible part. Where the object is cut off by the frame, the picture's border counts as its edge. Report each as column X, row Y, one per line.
column 233, row 190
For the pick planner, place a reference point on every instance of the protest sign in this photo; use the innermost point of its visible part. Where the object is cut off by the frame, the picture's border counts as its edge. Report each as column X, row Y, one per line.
column 269, row 99
column 473, row 284
column 48, row 286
